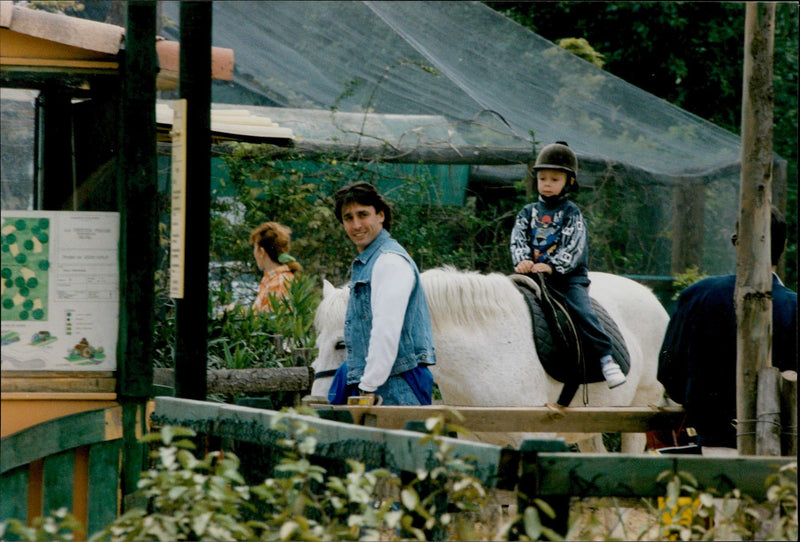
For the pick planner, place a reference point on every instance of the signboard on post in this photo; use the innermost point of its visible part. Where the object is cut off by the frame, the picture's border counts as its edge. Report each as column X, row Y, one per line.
column 177, row 234
column 60, row 291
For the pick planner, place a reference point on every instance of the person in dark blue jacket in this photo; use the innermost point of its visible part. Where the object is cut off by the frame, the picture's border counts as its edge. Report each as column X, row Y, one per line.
column 550, row 238
column 697, row 364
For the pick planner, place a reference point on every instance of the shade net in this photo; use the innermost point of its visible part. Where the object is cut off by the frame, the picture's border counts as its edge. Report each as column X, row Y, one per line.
column 495, row 84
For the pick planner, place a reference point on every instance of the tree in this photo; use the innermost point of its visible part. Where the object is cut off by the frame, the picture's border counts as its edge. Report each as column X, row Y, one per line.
column 694, row 52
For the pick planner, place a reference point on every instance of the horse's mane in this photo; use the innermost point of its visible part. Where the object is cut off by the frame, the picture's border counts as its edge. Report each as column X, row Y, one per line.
column 455, row 298
column 468, row 298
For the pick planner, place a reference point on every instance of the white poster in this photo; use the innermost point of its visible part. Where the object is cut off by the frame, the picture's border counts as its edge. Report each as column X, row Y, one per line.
column 60, row 290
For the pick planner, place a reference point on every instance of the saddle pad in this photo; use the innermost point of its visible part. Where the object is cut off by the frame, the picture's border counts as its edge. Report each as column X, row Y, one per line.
column 560, row 360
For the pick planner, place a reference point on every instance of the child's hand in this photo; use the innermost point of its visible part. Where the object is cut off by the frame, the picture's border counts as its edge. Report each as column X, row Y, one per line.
column 525, row 266
column 542, row 268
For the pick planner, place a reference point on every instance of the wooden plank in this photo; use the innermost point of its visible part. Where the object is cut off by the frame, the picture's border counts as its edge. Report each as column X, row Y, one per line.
column 398, row 450
column 523, row 419
column 54, row 436
column 71, row 384
column 14, row 496
column 634, row 475
column 262, row 380
column 103, row 491
column 58, row 481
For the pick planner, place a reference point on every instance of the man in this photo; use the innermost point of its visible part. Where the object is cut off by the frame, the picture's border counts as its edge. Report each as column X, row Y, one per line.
column 697, row 364
column 387, row 331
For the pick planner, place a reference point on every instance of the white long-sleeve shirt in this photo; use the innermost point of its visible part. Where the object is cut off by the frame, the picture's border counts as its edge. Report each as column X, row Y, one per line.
column 392, row 282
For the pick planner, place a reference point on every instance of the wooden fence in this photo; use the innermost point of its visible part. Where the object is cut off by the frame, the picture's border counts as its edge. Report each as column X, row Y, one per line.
column 538, row 469
column 72, row 462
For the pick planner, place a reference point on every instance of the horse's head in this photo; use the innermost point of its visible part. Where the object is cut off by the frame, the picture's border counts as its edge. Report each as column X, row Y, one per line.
column 329, row 323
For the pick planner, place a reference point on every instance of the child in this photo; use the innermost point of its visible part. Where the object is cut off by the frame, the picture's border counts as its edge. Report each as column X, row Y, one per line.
column 549, row 237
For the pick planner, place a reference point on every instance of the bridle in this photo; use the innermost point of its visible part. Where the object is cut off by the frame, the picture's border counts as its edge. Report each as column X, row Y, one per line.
column 325, row 374
column 329, row 373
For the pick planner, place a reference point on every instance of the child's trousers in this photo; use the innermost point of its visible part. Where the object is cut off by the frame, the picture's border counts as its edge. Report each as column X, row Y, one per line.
column 594, row 340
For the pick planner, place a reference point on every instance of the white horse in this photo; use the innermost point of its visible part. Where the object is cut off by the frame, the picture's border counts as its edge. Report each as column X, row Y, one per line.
column 485, row 349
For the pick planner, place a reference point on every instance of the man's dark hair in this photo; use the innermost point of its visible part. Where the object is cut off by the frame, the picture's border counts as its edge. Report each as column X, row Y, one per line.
column 363, row 193
column 777, row 234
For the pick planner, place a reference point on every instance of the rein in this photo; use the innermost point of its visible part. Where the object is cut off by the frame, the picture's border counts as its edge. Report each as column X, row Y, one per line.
column 325, row 374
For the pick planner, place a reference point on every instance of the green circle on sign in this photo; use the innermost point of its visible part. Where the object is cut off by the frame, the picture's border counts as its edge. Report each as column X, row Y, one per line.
column 20, row 224
column 44, row 265
column 21, row 258
column 43, row 237
column 24, row 292
column 6, row 273
column 32, row 283
column 23, row 315
column 5, row 248
column 11, row 239
column 8, row 304
column 19, row 282
column 28, row 244
column 38, row 314
column 28, row 304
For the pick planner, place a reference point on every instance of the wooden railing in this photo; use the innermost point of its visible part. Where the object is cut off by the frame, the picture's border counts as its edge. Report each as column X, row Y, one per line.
column 72, row 462
column 557, row 472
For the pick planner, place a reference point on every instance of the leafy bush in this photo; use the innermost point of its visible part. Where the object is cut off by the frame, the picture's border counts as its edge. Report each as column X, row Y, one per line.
column 192, row 499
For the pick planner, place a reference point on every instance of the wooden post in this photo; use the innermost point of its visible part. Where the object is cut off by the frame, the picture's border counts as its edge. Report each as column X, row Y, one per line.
column 789, row 413
column 753, row 294
column 768, row 412
column 687, row 231
column 137, row 190
column 191, row 312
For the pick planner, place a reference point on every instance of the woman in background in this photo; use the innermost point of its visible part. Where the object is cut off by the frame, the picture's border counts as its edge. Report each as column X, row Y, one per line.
column 271, row 242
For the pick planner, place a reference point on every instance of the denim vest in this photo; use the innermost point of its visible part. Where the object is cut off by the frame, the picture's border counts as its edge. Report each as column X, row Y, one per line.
column 416, row 337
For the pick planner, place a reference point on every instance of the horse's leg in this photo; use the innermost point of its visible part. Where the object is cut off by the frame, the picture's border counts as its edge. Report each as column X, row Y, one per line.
column 592, row 444
column 632, row 443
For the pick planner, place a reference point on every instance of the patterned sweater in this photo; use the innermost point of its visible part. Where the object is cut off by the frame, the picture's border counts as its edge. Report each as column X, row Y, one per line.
column 552, row 232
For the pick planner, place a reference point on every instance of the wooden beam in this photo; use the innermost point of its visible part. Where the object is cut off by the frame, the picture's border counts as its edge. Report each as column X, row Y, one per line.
column 543, row 419
column 83, row 382
column 635, row 475
column 191, row 311
column 264, row 380
column 753, row 292
column 395, row 450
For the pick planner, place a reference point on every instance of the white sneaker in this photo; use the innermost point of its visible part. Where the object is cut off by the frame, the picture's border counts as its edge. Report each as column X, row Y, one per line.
column 613, row 374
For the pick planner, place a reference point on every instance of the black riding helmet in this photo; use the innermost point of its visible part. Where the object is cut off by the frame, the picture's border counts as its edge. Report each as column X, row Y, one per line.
column 560, row 157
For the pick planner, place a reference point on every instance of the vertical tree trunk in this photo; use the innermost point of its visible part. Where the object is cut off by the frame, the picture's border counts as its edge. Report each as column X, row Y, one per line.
column 753, row 270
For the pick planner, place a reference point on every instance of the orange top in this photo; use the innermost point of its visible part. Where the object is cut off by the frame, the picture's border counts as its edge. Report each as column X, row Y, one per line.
column 273, row 282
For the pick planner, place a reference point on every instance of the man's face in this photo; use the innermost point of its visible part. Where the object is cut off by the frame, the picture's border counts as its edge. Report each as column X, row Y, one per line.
column 362, row 224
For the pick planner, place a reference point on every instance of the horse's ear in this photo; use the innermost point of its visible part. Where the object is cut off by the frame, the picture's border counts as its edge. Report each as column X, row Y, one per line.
column 327, row 288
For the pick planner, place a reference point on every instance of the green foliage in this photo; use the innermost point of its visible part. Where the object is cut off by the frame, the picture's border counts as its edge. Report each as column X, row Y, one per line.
column 581, row 48
column 187, row 498
column 683, row 43
column 191, row 499
column 67, row 7
column 686, row 279
column 61, row 526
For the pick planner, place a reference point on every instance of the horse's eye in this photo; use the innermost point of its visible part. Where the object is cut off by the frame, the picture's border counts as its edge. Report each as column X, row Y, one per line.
column 339, row 345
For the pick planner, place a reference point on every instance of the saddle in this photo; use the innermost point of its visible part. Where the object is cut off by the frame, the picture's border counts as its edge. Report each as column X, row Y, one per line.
column 558, row 343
